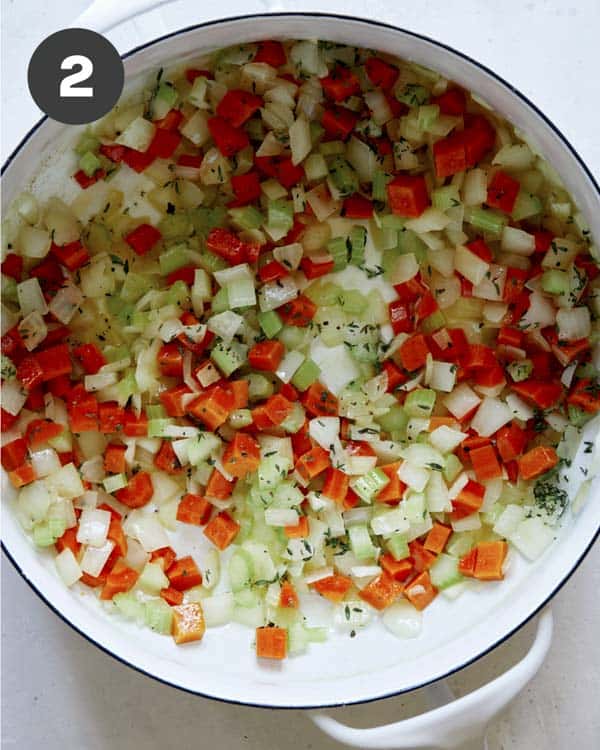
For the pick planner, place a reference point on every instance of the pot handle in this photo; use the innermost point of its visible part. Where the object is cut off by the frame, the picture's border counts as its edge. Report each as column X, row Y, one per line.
column 453, row 724
column 103, row 15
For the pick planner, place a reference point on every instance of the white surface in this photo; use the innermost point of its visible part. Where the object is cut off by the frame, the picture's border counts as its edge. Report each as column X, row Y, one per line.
column 559, row 93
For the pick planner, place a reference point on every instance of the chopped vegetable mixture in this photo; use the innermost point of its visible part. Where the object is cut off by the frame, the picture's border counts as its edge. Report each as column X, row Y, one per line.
column 320, row 308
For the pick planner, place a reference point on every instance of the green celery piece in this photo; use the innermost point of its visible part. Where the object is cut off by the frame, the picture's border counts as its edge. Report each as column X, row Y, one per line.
column 135, row 286
column 352, row 301
column 556, row 282
column 211, row 262
column 178, row 293
column 259, row 387
column 173, row 258
column 119, row 309
column 366, row 352
column 156, row 427
column 89, row 163
column 420, row 402
column 158, row 616
column 246, row 217
column 428, row 114
column 291, row 337
column 175, row 226
column 315, row 167
column 280, row 214
column 410, row 242
column 270, row 323
column 9, row 289
column 87, row 142
column 520, row 369
column 397, row 545
column 445, row 197
column 220, row 302
column 379, row 185
column 391, row 221
column 42, row 535
column 344, row 176
column 323, row 293
column 228, row 358
column 358, row 241
column 99, row 238
column 332, row 148
column 452, row 468
column 395, row 420
column 526, row 205
column 316, row 131
column 204, row 219
column 369, row 484
column 306, row 375
column 129, row 606
column 578, row 417
column 168, row 93
column 414, row 95
column 487, row 220
column 433, row 322
column 338, row 248
column 115, row 353
column 156, row 411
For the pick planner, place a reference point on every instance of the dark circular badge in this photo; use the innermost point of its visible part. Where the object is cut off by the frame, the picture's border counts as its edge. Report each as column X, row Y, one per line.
column 75, row 76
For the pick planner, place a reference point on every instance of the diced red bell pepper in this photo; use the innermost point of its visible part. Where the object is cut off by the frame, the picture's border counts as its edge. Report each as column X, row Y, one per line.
column 170, row 360
column 298, row 312
column 246, row 188
column 22, row 475
column 185, row 274
column 134, row 425
column 502, row 192
column 543, row 394
column 72, row 256
column 357, row 207
column 266, row 355
column 480, row 137
column 29, row 372
column 48, row 273
column 7, row 420
column 340, row 84
column 228, row 139
column 515, row 283
column 164, row 143
column 452, row 102
column 510, row 442
column 138, row 160
column 313, row 269
column 114, row 459
column 425, row 306
column 84, row 181
column 413, row 352
column 213, row 407
column 407, row 195
column 401, row 318
column 14, row 454
column 289, row 174
column 339, row 122
column 469, row 500
column 171, row 121
column 113, row 151
column 395, row 375
column 192, row 73
column 226, row 245
column 39, row 431
column 510, row 336
column 585, row 395
column 449, row 155
column 143, row 238
column 35, row 399
column 412, row 290
column 83, row 413
column 272, row 53
column 380, row 73
column 238, row 106
column 481, row 250
column 12, row 266
column 111, row 417
column 543, row 240
column 90, row 357
column 272, row 271
column 190, row 160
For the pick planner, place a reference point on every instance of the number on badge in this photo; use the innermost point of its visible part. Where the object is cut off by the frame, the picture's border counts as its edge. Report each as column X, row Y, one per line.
column 68, row 86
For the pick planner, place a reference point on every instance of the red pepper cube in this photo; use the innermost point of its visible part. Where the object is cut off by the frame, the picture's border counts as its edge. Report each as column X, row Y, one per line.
column 85, row 181
column 272, row 271
column 194, row 509
column 407, row 195
column 272, row 53
column 313, row 269
column 228, row 139
column 469, row 500
column 113, row 152
column 502, row 192
column 12, row 266
column 298, row 312
column 246, row 188
column 485, row 463
column 452, row 102
column 288, row 173
column 72, row 256
column 479, row 138
column 339, row 122
column 357, row 207
column 164, row 143
column 226, row 245
column 143, row 238
column 449, row 155
column 90, row 357
column 171, row 121
column 137, row 160
column 400, row 317
column 380, row 73
column 237, row 106
column 340, row 84
column 413, row 353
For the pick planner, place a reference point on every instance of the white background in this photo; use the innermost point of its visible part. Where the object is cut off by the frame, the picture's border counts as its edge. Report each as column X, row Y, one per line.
column 59, row 692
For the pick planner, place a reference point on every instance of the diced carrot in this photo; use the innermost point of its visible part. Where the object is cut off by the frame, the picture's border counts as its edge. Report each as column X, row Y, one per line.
column 271, row 643
column 183, row 574
column 166, row 459
column 394, row 489
column 420, row 592
column 111, row 417
column 313, row 463
column 319, row 402
column 165, row 556
column 489, row 560
column 537, row 461
column 288, row 597
column 381, row 591
column 138, row 492
column 171, row 596
column 585, row 395
column 437, row 537
column 510, row 442
column 260, row 418
column 218, row 487
column 239, row 389
column 398, row 569
column 469, row 500
column 22, row 475
column 333, row 587
column 266, row 355
column 212, row 408
column 39, row 431
column 194, row 509
column 485, row 463
column 278, row 408
column 117, row 535
column 114, row 458
column 336, row 485
column 188, row 623
column 299, row 530
column 120, row 579
column 422, row 559
column 222, row 530
column 14, row 454
column 466, row 565
column 68, row 541
column 93, row 581
column 174, row 400
column 135, row 426
column 241, row 456
column 435, row 422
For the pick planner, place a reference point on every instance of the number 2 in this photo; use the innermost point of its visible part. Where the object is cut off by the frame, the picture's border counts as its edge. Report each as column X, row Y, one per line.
column 68, row 86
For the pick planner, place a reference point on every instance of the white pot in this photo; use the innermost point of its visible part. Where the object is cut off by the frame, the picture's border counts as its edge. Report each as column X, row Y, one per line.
column 374, row 664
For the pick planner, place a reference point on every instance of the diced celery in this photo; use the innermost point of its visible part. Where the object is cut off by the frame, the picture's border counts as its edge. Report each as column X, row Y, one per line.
column 246, row 217
column 126, row 387
column 444, row 571
column 89, row 163
column 292, row 337
column 427, row 115
column 115, row 353
column 395, row 420
column 526, row 205
column 380, row 181
column 270, row 322
column 392, row 222
column 352, row 301
column 520, row 369
column 445, row 197
column 433, row 322
column 178, row 293
column 157, row 427
column 204, row 219
column 332, row 148
column 272, row 470
column 397, row 545
column 114, row 482
column 294, row 420
column 220, row 302
column 358, row 241
column 420, row 402
column 174, row 257
column 164, row 99
column 280, row 215
column 158, row 616
column 9, row 289
column 338, row 248
column 360, row 542
column 578, row 417
column 43, row 534
column 452, row 468
column 87, row 142
column 135, row 286
column 413, row 95
column 368, row 485
column 155, row 411
column 555, row 281
column 306, row 375
column 410, row 243
column 129, row 606
column 315, row 167
column 489, row 221
column 460, row 543
column 175, row 226
column 152, row 578
column 258, row 387
column 228, row 358
column 323, row 293
column 343, row 176
column 201, row 448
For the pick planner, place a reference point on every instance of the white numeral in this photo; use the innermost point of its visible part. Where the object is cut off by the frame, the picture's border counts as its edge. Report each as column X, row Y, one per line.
column 68, row 84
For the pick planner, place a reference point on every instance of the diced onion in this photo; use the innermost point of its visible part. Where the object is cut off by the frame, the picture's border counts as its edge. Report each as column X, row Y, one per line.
column 95, row 558
column 31, row 297
column 490, row 417
column 403, row 620
column 93, row 526
column 14, row 397
column 67, row 567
